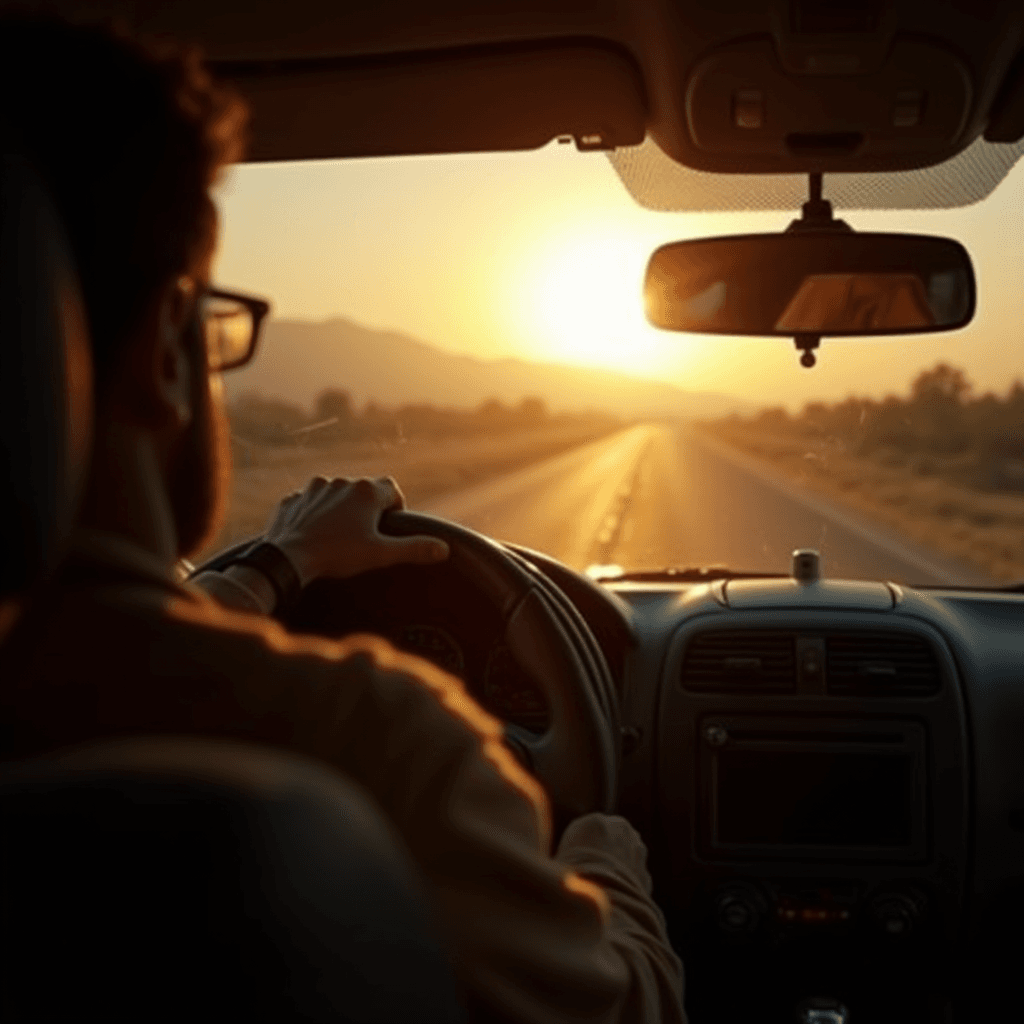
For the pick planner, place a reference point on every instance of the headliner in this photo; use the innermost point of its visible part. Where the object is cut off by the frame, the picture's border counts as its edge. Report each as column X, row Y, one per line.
column 334, row 80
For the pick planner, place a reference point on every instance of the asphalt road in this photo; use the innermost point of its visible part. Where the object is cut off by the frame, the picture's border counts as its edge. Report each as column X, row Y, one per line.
column 657, row 495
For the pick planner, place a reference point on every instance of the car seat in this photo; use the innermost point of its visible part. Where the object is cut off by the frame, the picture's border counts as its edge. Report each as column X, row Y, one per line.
column 168, row 878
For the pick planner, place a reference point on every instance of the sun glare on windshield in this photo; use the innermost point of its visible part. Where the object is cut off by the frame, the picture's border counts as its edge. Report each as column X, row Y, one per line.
column 580, row 303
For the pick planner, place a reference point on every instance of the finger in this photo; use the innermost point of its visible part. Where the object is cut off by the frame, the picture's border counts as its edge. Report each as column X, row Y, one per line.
column 398, row 500
column 419, row 550
column 377, row 494
column 391, row 493
column 318, row 483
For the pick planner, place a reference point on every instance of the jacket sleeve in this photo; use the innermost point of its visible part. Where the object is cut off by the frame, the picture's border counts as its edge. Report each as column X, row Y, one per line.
column 636, row 926
column 533, row 941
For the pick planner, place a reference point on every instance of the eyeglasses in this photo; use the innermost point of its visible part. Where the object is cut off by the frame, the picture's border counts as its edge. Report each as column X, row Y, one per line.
column 231, row 326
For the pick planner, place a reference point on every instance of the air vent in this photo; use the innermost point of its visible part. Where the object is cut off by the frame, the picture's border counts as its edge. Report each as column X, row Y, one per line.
column 881, row 665
column 741, row 661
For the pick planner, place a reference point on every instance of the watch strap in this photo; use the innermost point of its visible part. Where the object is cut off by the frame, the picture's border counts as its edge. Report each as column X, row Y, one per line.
column 275, row 565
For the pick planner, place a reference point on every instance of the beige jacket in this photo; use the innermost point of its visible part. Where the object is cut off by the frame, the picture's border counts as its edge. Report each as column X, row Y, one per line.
column 122, row 648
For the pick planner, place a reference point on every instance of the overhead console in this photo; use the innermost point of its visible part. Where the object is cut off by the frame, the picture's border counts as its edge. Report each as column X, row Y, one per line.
column 835, row 86
column 760, row 106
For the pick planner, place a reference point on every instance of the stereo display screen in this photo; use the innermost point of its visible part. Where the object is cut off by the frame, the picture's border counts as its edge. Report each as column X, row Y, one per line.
column 814, row 798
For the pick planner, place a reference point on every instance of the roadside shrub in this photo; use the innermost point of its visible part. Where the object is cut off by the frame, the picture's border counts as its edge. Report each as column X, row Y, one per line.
column 940, row 427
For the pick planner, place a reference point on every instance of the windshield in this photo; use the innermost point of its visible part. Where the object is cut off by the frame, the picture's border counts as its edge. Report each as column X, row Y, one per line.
column 474, row 327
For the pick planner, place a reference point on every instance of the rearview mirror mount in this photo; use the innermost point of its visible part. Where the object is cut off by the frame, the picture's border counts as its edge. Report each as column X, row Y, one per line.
column 819, row 278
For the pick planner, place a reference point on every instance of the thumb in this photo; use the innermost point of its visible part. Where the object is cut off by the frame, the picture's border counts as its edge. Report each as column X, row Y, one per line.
column 418, row 550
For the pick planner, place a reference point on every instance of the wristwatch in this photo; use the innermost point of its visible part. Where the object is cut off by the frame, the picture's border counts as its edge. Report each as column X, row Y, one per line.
column 273, row 563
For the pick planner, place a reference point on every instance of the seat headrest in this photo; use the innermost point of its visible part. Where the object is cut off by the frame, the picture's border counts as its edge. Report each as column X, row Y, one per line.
column 188, row 879
column 45, row 381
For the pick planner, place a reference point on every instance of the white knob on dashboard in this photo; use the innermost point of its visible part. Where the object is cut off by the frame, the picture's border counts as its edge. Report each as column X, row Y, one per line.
column 806, row 565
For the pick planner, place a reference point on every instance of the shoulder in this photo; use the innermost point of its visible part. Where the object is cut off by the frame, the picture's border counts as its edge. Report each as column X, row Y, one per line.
column 140, row 659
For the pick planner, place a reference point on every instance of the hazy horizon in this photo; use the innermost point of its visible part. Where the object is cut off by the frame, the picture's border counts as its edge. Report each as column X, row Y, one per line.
column 300, row 358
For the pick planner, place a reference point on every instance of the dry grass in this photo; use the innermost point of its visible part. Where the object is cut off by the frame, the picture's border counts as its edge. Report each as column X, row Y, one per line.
column 983, row 528
column 263, row 474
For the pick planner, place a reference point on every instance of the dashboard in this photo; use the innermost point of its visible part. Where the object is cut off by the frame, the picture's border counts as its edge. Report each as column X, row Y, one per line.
column 830, row 776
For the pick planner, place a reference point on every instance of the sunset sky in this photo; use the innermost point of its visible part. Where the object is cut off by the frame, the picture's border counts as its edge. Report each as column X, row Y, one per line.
column 541, row 255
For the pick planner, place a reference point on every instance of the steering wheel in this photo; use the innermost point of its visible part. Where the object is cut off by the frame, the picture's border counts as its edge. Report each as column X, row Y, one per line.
column 485, row 612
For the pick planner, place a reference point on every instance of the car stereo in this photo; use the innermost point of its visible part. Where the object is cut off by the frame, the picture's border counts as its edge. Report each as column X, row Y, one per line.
column 812, row 790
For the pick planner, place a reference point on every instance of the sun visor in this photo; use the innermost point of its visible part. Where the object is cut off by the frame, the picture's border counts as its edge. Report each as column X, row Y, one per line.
column 458, row 101
column 657, row 182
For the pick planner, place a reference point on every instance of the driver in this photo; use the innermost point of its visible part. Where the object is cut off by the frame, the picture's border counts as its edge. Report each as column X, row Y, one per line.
column 130, row 137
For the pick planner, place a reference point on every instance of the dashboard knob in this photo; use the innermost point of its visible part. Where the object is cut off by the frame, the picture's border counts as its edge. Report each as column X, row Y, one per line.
column 897, row 913
column 716, row 735
column 738, row 910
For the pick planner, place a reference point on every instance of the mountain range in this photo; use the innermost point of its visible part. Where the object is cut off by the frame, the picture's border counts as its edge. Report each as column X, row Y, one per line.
column 298, row 359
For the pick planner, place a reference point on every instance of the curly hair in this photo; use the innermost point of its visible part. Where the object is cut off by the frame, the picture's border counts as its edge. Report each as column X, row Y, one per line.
column 129, row 135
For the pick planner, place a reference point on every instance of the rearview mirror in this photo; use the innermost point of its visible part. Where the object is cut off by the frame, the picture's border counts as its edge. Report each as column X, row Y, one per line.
column 816, row 283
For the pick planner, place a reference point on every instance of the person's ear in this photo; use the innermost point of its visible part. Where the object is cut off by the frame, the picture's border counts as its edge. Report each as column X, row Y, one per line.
column 172, row 353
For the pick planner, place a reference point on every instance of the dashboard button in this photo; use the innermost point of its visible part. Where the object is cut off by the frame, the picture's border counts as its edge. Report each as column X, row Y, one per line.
column 716, row 735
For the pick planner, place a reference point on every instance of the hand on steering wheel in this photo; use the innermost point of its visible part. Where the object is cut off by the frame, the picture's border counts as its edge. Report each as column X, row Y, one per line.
column 331, row 529
column 576, row 755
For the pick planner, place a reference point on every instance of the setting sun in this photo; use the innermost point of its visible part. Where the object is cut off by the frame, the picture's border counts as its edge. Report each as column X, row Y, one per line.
column 582, row 302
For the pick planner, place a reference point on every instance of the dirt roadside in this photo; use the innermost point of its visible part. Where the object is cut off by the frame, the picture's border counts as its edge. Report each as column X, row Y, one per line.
column 985, row 529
